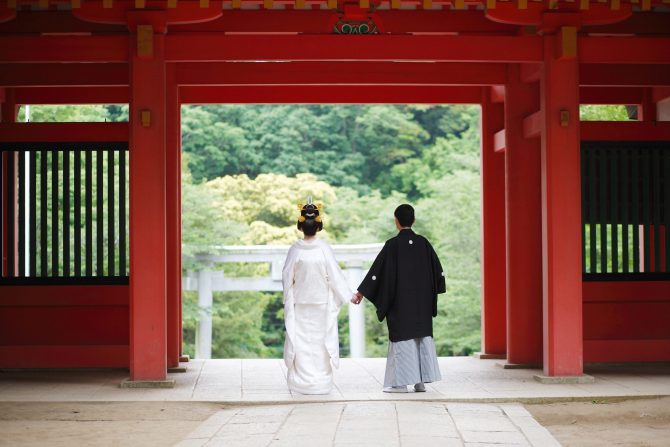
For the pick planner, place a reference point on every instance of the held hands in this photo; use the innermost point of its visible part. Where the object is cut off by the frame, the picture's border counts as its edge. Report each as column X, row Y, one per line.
column 356, row 298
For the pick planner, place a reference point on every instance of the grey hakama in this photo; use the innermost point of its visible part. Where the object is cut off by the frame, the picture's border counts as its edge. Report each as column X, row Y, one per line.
column 410, row 362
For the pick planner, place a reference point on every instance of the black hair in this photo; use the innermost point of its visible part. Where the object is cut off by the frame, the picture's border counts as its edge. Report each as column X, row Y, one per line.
column 310, row 221
column 405, row 215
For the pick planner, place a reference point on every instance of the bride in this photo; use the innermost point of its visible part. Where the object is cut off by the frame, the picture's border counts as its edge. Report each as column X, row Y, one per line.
column 314, row 291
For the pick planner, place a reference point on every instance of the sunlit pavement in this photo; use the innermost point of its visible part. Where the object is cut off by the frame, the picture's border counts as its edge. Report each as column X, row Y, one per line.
column 259, row 381
column 421, row 424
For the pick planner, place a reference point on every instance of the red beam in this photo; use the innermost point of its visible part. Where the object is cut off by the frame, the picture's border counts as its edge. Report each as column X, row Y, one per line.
column 38, row 49
column 624, row 75
column 624, row 50
column 318, row 21
column 72, row 95
column 499, row 141
column 625, row 131
column 331, row 94
column 68, row 356
column 339, row 73
column 208, row 47
column 532, row 125
column 221, row 47
column 611, row 95
column 63, row 132
column 71, row 75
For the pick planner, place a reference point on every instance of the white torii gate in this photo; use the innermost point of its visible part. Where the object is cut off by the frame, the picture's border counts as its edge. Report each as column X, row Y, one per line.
column 208, row 281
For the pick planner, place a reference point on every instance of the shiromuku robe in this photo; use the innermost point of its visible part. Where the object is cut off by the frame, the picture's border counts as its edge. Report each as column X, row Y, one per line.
column 314, row 290
column 403, row 284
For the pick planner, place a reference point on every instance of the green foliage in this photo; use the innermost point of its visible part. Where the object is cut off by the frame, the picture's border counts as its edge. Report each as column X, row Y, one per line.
column 603, row 113
column 251, row 165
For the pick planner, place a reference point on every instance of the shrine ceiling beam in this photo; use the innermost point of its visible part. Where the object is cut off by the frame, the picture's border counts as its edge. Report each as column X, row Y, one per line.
column 72, row 95
column 624, row 75
column 43, row 75
column 183, row 47
column 332, row 94
column 334, row 73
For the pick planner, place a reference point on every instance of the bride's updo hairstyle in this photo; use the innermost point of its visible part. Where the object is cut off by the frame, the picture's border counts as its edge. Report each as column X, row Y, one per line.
column 309, row 221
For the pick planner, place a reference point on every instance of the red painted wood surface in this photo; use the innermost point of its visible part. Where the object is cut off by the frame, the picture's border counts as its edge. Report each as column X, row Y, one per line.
column 523, row 224
column 625, row 131
column 331, row 94
column 63, row 326
column 148, row 351
column 493, row 230
column 626, row 321
column 173, row 217
column 68, row 356
column 561, row 215
column 73, row 95
column 63, row 132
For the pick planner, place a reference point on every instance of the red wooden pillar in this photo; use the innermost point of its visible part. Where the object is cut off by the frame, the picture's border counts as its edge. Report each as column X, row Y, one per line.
column 523, row 218
column 148, row 353
column 8, row 112
column 493, row 231
column 173, row 223
column 561, row 213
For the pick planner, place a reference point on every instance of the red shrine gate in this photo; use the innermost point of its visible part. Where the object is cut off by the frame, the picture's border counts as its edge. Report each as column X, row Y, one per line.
column 548, row 296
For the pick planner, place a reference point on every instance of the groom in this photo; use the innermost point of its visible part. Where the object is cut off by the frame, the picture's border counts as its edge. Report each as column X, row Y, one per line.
column 403, row 284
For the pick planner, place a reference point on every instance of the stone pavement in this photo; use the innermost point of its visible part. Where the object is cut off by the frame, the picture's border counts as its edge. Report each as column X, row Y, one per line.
column 253, row 381
column 363, row 424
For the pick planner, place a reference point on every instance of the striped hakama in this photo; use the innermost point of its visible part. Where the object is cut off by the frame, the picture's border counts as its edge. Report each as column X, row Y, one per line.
column 411, row 361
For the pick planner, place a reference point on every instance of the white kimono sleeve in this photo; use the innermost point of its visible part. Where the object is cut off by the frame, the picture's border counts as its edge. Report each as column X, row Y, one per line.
column 288, row 278
column 337, row 281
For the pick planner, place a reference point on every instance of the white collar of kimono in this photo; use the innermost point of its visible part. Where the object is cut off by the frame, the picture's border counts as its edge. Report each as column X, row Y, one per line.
column 312, row 243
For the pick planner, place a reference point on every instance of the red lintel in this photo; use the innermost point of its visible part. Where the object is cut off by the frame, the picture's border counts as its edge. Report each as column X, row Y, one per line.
column 499, row 141
column 471, row 48
column 532, row 125
column 72, row 95
column 611, row 95
column 624, row 50
column 334, row 73
column 625, row 131
column 625, row 75
column 63, row 132
column 72, row 75
column 109, row 48
column 332, row 94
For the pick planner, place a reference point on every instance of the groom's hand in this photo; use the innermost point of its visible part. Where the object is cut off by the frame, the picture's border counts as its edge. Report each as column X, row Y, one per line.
column 356, row 298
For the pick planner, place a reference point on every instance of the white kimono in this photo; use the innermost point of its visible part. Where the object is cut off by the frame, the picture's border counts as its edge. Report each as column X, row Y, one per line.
column 314, row 290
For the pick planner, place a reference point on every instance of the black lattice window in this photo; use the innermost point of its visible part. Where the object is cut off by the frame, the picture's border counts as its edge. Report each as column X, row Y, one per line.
column 64, row 213
column 625, row 209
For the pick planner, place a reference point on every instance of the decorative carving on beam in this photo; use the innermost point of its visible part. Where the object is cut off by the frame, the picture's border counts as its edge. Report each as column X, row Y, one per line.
column 354, row 19
column 181, row 12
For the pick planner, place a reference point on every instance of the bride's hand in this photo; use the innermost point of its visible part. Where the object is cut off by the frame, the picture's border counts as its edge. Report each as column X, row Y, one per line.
column 356, row 298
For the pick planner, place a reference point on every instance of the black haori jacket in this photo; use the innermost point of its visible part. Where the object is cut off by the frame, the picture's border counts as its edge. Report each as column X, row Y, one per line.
column 403, row 284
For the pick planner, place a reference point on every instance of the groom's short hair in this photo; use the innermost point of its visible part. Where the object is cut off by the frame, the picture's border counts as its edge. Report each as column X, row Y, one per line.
column 405, row 215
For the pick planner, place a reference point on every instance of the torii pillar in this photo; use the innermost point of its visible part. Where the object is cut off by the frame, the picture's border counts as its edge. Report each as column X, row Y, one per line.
column 561, row 209
column 148, row 306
